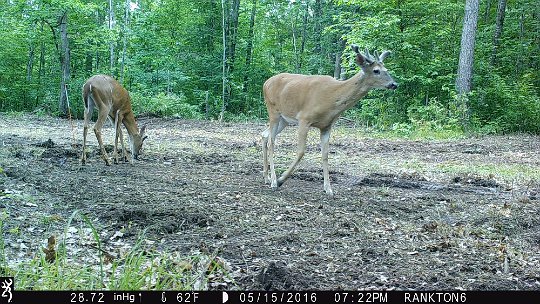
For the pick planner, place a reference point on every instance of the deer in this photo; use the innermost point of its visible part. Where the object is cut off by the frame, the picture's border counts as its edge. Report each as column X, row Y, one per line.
column 315, row 101
column 112, row 101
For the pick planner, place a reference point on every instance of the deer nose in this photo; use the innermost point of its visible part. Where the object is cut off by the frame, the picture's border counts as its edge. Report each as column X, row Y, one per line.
column 392, row 86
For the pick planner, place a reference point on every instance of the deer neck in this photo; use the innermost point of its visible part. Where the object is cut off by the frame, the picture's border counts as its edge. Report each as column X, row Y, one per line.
column 353, row 90
column 131, row 124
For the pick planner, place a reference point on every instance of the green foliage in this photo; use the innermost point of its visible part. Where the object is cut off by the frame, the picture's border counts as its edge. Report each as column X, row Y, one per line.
column 173, row 57
column 166, row 105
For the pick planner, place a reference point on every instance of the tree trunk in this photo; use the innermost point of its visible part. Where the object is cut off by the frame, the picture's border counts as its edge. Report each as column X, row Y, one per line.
column 487, row 11
column 88, row 62
column 30, row 64
column 304, row 34
column 520, row 61
column 124, row 33
column 41, row 67
column 293, row 29
column 65, row 65
column 224, row 65
column 317, row 15
column 249, row 48
column 498, row 30
column 466, row 56
column 111, row 43
column 230, row 25
column 233, row 33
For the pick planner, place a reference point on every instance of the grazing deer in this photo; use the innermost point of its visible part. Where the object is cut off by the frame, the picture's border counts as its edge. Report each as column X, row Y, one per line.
column 112, row 101
column 315, row 101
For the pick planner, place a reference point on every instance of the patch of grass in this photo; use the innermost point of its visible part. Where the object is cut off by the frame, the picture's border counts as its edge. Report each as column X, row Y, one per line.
column 139, row 269
column 50, row 219
column 403, row 131
column 504, row 171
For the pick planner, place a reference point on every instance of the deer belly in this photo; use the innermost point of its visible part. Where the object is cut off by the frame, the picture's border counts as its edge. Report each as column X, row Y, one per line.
column 290, row 120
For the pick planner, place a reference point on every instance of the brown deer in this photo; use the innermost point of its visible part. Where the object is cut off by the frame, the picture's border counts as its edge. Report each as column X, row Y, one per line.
column 315, row 101
column 112, row 101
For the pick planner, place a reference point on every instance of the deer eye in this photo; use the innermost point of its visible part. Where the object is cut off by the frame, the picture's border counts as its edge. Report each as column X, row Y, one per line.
column 377, row 72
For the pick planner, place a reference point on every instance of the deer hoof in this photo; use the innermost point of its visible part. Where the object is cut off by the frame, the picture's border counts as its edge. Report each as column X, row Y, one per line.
column 329, row 192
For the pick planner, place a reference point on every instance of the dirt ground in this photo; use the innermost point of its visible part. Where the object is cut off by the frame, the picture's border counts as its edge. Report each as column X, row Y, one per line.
column 423, row 215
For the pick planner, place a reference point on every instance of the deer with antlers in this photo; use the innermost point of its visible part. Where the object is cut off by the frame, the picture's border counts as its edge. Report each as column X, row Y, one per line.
column 315, row 101
column 112, row 101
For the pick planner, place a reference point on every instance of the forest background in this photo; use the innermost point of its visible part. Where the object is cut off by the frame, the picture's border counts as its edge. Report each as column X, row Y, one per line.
column 208, row 59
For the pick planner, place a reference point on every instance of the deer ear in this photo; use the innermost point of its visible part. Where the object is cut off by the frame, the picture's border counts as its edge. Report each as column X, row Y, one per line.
column 362, row 61
column 355, row 47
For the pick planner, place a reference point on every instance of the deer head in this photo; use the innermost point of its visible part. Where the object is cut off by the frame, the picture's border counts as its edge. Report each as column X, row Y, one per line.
column 137, row 141
column 374, row 69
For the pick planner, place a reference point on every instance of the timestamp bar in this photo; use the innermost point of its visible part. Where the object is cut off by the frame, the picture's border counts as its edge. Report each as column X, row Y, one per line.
column 263, row 297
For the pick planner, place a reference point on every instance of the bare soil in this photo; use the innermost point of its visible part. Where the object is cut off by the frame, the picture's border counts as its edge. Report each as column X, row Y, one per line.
column 423, row 215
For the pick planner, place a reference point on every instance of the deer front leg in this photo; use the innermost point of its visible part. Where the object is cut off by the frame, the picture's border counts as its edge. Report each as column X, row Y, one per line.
column 116, row 134
column 97, row 131
column 303, row 129
column 124, row 151
column 325, row 138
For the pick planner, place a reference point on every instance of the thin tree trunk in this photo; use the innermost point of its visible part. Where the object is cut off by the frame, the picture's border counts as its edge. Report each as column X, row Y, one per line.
column 224, row 66
column 501, row 8
column 26, row 103
column 88, row 62
column 520, row 61
column 111, row 43
column 30, row 64
column 293, row 28
column 304, row 34
column 486, row 12
column 125, row 34
column 317, row 15
column 41, row 72
column 249, row 48
column 231, row 33
column 41, row 69
column 65, row 65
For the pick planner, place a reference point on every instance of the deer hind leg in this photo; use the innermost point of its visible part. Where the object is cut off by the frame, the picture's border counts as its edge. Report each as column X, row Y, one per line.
column 97, row 130
column 265, row 143
column 87, row 116
column 303, row 129
column 325, row 138
column 88, row 110
column 264, row 136
column 118, row 118
column 275, row 121
column 115, row 149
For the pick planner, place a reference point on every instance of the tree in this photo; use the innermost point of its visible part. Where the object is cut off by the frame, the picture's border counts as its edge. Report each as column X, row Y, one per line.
column 111, row 42
column 65, row 62
column 466, row 55
column 501, row 8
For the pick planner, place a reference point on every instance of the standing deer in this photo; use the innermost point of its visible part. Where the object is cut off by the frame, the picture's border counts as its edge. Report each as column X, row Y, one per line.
column 112, row 101
column 315, row 101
